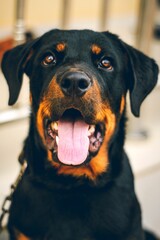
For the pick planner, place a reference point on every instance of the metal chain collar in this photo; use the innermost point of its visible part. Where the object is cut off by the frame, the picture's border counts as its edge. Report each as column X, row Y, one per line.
column 7, row 201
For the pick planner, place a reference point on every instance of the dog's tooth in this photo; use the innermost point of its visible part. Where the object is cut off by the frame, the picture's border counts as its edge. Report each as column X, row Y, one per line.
column 54, row 126
column 93, row 140
column 91, row 130
column 89, row 134
column 99, row 135
column 57, row 140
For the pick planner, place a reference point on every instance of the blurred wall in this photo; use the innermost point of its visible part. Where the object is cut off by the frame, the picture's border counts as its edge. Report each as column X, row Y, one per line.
column 40, row 12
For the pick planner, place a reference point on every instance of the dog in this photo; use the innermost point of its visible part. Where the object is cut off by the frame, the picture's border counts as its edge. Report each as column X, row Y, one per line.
column 78, row 183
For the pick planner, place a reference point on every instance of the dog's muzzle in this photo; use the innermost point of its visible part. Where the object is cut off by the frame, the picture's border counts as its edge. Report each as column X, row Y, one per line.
column 71, row 139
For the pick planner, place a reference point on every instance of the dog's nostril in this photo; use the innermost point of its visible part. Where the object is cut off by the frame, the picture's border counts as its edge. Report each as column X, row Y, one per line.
column 66, row 83
column 84, row 84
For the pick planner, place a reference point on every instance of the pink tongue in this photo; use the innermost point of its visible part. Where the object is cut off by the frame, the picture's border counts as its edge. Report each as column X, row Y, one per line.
column 73, row 142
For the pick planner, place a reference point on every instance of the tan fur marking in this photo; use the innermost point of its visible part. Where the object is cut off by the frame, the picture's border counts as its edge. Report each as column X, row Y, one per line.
column 96, row 49
column 122, row 106
column 43, row 111
column 60, row 47
column 30, row 98
column 54, row 91
column 20, row 236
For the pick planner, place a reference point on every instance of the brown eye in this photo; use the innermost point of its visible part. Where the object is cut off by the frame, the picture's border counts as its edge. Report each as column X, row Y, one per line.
column 49, row 60
column 106, row 63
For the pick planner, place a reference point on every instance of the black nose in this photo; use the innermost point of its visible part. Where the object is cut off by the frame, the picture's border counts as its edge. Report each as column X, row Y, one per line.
column 75, row 83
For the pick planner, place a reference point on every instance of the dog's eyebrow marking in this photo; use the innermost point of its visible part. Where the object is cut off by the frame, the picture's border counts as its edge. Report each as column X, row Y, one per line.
column 60, row 47
column 96, row 49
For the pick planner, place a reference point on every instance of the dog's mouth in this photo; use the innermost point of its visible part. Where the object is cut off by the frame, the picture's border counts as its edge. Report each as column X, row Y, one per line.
column 71, row 140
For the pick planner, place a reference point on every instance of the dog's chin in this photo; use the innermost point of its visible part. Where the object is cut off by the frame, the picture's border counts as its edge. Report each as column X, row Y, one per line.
column 71, row 139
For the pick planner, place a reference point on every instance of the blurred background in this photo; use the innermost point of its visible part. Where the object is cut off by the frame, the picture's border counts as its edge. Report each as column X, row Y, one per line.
column 138, row 23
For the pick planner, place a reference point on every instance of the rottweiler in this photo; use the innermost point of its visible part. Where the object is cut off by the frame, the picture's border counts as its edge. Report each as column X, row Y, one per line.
column 78, row 184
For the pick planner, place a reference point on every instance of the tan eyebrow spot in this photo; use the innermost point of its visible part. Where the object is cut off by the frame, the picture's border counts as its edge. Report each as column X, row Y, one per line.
column 96, row 49
column 60, row 47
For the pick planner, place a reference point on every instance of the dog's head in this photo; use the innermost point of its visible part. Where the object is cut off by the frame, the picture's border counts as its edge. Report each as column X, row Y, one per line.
column 78, row 85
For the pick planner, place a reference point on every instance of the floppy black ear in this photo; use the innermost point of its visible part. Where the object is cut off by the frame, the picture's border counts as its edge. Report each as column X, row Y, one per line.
column 142, row 76
column 13, row 68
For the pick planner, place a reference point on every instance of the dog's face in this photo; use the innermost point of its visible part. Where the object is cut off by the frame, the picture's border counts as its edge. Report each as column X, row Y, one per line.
column 78, row 85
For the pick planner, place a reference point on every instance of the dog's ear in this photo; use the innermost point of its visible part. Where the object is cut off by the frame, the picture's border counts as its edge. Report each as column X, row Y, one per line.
column 142, row 76
column 13, row 67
